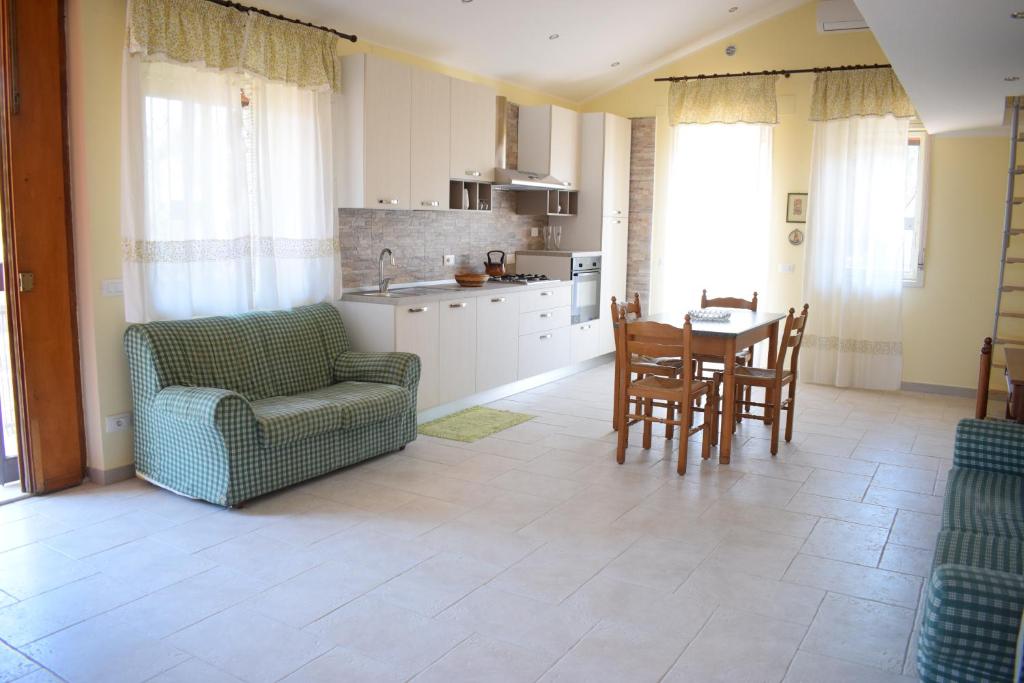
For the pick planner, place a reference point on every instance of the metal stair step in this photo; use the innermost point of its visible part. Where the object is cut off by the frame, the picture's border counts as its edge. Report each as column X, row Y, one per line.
column 1018, row 200
column 1017, row 231
column 1015, row 259
column 1013, row 288
column 1019, row 170
column 1011, row 314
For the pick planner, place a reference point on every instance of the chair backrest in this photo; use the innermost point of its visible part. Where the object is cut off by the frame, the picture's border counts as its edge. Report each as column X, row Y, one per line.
column 792, row 339
column 728, row 302
column 630, row 308
column 984, row 373
column 645, row 339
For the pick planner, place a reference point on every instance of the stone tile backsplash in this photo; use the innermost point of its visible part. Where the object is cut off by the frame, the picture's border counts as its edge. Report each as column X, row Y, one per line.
column 641, row 208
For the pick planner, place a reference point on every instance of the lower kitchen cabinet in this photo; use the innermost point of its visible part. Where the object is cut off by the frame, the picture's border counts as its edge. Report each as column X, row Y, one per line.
column 497, row 340
column 584, row 342
column 458, row 351
column 542, row 352
column 417, row 331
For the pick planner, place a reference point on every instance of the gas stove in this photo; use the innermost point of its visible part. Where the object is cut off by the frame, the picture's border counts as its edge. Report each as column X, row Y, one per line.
column 520, row 279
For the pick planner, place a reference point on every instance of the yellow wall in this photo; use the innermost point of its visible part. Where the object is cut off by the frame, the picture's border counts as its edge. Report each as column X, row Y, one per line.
column 95, row 40
column 965, row 203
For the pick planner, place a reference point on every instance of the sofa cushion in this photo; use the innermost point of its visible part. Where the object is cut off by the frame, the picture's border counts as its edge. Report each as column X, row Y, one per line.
column 984, row 502
column 343, row 406
column 984, row 551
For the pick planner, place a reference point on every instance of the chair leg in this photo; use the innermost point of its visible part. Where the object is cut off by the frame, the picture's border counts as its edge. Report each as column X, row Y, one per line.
column 776, row 413
column 623, row 438
column 789, row 411
column 670, row 429
column 684, row 440
column 705, row 434
column 716, row 406
column 648, row 412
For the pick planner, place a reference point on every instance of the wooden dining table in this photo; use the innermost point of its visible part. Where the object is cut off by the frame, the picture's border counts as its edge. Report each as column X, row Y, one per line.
column 722, row 339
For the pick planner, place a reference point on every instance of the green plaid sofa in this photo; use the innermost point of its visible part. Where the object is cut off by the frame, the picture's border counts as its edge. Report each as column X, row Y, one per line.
column 975, row 596
column 230, row 408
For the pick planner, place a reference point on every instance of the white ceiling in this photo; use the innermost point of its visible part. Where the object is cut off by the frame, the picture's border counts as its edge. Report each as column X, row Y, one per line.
column 952, row 56
column 509, row 40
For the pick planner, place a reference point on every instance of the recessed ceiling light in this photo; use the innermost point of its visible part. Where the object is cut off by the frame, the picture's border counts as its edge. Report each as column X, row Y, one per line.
column 1017, row 15
column 466, row 2
column 553, row 36
column 733, row 9
column 1011, row 79
column 614, row 64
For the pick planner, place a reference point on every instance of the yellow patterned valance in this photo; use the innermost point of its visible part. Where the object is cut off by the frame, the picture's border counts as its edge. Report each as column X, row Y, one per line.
column 735, row 99
column 862, row 92
column 216, row 37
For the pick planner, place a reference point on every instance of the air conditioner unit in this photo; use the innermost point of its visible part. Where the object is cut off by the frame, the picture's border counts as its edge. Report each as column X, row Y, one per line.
column 839, row 16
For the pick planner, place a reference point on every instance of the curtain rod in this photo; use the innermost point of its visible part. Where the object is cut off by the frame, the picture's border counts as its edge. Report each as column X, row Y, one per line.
column 246, row 8
column 778, row 72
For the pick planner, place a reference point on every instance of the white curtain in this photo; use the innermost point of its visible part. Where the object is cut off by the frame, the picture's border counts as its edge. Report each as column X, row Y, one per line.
column 225, row 208
column 854, row 274
column 719, row 210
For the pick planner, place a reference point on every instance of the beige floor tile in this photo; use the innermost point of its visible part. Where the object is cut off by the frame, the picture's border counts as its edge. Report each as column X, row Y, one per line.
column 905, row 479
column 479, row 658
column 898, row 458
column 915, row 529
column 324, row 518
column 194, row 670
column 249, row 645
column 148, row 565
column 33, row 569
column 845, row 510
column 303, row 599
column 901, row 558
column 739, row 646
column 436, row 584
column 767, row 597
column 757, row 490
column 385, row 555
column 829, row 445
column 833, row 463
column 343, row 664
column 808, row 667
column 846, row 542
column 904, row 500
column 657, row 563
column 28, row 530
column 760, row 553
column 13, row 664
column 890, row 587
column 483, row 468
column 773, row 520
column 347, row 488
column 861, row 631
column 388, row 633
column 414, row 518
column 836, row 485
column 109, row 533
column 538, row 485
column 615, row 652
column 124, row 656
column 261, row 558
column 480, row 541
column 210, row 530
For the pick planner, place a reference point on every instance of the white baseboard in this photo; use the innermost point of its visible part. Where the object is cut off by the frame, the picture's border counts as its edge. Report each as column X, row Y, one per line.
column 960, row 392
column 111, row 476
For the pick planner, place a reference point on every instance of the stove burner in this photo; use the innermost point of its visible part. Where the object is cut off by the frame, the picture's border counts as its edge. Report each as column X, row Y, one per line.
column 520, row 278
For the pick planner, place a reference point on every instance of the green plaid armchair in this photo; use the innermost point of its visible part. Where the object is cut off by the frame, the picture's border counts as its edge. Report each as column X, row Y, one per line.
column 233, row 407
column 974, row 599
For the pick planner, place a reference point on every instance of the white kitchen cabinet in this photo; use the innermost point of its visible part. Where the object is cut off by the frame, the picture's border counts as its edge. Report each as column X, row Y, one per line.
column 584, row 341
column 541, row 321
column 430, row 140
column 618, row 134
column 497, row 340
column 458, row 348
column 542, row 352
column 417, row 331
column 473, row 134
column 549, row 143
column 541, row 298
column 614, row 244
column 373, row 133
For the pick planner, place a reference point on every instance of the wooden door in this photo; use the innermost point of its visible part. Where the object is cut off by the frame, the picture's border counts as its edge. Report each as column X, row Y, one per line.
column 497, row 350
column 387, row 123
column 37, row 232
column 431, row 139
column 473, row 131
column 458, row 349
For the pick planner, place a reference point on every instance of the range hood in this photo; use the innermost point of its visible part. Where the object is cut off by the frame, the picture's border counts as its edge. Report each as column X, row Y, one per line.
column 509, row 178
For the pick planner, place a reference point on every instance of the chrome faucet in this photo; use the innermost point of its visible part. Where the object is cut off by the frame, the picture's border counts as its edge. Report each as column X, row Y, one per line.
column 384, row 282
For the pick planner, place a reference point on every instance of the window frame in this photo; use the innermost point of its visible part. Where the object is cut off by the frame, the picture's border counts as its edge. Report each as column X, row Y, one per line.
column 918, row 132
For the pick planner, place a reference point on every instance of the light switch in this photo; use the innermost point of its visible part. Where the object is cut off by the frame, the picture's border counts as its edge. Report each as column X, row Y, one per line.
column 112, row 288
column 787, row 267
column 534, row 232
column 449, row 259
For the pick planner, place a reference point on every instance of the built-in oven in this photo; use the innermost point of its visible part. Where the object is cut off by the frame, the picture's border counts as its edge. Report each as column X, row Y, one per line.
column 586, row 288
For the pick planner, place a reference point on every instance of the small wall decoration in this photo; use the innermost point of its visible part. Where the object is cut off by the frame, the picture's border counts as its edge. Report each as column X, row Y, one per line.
column 796, row 237
column 796, row 207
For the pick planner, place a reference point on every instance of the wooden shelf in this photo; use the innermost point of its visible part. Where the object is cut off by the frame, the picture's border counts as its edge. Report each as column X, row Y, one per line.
column 547, row 203
column 466, row 195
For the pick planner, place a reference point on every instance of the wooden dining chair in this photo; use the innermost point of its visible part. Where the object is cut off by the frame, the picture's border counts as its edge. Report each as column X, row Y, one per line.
column 984, row 377
column 743, row 356
column 774, row 380
column 649, row 391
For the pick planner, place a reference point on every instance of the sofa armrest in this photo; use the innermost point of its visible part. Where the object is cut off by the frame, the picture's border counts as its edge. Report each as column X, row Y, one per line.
column 203, row 405
column 972, row 617
column 990, row 445
column 402, row 369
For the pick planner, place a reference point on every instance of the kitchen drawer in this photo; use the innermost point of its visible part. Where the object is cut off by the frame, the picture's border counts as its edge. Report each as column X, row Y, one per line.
column 544, row 297
column 543, row 351
column 541, row 321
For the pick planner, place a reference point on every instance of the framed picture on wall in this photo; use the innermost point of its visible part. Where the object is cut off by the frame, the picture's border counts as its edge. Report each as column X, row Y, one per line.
column 796, row 207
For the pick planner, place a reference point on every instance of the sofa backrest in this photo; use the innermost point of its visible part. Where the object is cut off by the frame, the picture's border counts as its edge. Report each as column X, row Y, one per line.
column 259, row 354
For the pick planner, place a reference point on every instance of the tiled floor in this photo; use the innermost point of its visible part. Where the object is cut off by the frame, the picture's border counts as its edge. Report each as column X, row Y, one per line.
column 527, row 556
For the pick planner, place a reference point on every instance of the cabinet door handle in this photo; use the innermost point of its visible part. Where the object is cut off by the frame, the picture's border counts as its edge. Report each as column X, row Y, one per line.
column 475, row 174
column 393, row 202
column 548, row 293
column 429, row 203
column 421, row 309
column 618, row 211
column 544, row 336
column 618, row 222
column 567, row 183
column 499, row 300
column 461, row 304
column 545, row 315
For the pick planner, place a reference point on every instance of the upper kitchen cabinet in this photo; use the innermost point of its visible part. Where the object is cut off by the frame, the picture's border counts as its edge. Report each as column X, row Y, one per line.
column 604, row 159
column 473, row 135
column 431, row 139
column 373, row 134
column 549, row 143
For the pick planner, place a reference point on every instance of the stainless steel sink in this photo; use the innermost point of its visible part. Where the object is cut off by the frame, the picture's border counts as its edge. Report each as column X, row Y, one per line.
column 385, row 294
column 407, row 291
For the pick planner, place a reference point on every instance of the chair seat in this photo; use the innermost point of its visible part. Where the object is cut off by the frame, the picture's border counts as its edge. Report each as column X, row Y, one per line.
column 343, row 406
column 663, row 361
column 706, row 358
column 653, row 386
column 759, row 376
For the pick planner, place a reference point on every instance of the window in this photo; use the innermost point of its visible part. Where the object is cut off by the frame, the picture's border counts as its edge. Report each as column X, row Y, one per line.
column 915, row 208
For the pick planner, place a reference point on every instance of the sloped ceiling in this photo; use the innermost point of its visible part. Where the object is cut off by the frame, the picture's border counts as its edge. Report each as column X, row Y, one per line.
column 509, row 40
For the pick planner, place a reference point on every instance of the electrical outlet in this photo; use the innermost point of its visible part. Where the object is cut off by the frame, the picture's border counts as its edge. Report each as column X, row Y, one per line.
column 119, row 423
column 787, row 267
column 534, row 232
column 449, row 259
column 112, row 287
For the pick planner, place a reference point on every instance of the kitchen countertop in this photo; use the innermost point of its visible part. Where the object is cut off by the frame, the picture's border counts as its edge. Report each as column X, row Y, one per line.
column 545, row 252
column 449, row 291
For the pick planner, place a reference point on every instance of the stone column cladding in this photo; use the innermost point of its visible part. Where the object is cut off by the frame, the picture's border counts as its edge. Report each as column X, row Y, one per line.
column 641, row 209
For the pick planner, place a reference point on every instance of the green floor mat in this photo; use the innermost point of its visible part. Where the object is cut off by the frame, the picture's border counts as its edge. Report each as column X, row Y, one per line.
column 473, row 424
